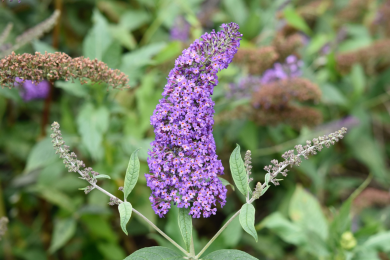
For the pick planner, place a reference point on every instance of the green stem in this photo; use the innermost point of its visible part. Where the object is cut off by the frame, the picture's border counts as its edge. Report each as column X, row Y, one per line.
column 218, row 233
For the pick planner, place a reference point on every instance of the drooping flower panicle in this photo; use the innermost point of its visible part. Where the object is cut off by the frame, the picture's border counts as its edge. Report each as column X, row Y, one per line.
column 183, row 163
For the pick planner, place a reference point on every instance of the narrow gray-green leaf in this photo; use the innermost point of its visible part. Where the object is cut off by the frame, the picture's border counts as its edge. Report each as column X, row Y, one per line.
column 266, row 178
column 247, row 219
column 132, row 174
column 264, row 190
column 125, row 210
column 155, row 253
column 230, row 254
column 237, row 168
column 226, row 183
column 185, row 225
column 102, row 176
column 64, row 229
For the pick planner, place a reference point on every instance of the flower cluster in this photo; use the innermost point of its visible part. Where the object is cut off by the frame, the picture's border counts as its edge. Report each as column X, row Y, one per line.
column 183, row 163
column 244, row 88
column 54, row 66
column 257, row 60
column 180, row 30
column 30, row 91
column 291, row 158
column 287, row 45
column 376, row 55
column 290, row 69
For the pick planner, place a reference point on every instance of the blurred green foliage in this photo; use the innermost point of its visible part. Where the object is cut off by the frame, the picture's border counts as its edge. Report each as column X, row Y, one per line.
column 307, row 217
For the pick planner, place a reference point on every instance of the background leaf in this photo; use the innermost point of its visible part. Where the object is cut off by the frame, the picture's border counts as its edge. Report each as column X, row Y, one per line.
column 155, row 253
column 64, row 230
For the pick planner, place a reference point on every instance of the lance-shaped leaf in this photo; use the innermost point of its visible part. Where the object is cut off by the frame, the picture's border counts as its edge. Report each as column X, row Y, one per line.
column 226, row 183
column 64, row 229
column 102, row 176
column 132, row 174
column 185, row 225
column 247, row 219
column 225, row 254
column 237, row 168
column 155, row 253
column 125, row 210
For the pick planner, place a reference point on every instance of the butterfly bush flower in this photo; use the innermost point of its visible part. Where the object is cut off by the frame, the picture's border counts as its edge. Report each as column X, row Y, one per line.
column 289, row 69
column 30, row 90
column 181, row 30
column 244, row 89
column 183, row 163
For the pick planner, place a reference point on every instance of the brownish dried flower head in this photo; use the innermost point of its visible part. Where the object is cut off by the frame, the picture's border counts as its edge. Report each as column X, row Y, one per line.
column 292, row 115
column 277, row 94
column 371, row 197
column 354, row 12
column 257, row 60
column 272, row 105
column 374, row 57
column 54, row 66
column 286, row 46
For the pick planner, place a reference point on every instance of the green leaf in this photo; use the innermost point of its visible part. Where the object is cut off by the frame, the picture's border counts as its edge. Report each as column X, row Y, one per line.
column 43, row 47
column 102, row 176
column 92, row 124
column 358, row 80
column 125, row 210
column 306, row 212
column 98, row 38
column 341, row 222
column 225, row 182
column 155, row 253
column 185, row 225
column 229, row 254
column 332, row 95
column 238, row 171
column 123, row 36
column 379, row 242
column 247, row 219
column 233, row 232
column 133, row 19
column 41, row 154
column 111, row 250
column 64, row 229
column 285, row 229
column 73, row 87
column 236, row 10
column 171, row 51
column 132, row 174
column 295, row 20
column 267, row 178
column 55, row 197
column 265, row 189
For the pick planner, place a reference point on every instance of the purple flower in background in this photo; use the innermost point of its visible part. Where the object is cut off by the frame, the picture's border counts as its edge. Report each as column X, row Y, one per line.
column 290, row 69
column 30, row 91
column 183, row 163
column 244, row 88
column 180, row 30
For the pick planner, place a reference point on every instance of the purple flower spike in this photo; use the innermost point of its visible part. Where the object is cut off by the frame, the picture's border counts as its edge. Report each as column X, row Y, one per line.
column 30, row 91
column 183, row 163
